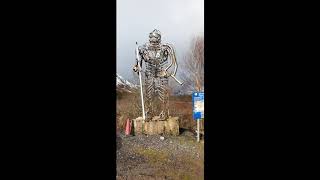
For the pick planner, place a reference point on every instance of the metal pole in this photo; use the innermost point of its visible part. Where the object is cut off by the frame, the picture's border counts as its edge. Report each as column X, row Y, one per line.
column 198, row 123
column 142, row 102
column 141, row 92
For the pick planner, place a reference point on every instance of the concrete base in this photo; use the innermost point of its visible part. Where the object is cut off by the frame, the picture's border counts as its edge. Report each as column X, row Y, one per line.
column 167, row 127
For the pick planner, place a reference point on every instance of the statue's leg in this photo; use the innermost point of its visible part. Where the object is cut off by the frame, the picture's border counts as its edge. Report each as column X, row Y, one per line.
column 163, row 95
column 149, row 93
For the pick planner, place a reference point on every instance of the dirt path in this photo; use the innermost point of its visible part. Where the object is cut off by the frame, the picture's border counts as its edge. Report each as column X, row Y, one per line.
column 149, row 157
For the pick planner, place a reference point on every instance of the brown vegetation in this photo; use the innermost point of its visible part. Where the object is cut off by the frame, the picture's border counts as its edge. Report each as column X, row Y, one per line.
column 129, row 106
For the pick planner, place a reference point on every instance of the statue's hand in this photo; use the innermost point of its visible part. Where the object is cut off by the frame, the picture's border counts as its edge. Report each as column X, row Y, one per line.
column 164, row 73
column 135, row 68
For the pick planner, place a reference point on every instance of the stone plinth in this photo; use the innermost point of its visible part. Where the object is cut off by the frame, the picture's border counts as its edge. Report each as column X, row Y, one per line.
column 169, row 126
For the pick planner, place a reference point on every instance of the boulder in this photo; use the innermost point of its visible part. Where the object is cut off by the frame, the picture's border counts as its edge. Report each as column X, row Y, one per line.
column 169, row 126
column 137, row 125
column 173, row 125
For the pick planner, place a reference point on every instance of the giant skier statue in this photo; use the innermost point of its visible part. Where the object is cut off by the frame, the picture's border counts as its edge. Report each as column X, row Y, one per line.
column 155, row 55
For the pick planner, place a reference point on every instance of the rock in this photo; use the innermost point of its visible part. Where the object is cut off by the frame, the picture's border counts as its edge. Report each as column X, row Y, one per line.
column 188, row 133
column 155, row 118
column 169, row 126
column 160, row 127
column 137, row 125
column 150, row 128
column 173, row 125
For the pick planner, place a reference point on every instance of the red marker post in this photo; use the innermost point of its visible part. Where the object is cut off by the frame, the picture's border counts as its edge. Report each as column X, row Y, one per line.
column 128, row 127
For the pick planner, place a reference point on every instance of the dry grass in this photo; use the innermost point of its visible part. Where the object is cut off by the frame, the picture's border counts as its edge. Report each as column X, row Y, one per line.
column 153, row 156
column 129, row 106
column 160, row 160
column 182, row 109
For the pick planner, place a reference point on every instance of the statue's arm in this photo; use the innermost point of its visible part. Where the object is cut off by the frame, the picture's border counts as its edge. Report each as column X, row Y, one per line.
column 140, row 52
column 173, row 59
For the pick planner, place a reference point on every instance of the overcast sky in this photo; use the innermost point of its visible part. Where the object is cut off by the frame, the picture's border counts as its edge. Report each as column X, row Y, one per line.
column 177, row 20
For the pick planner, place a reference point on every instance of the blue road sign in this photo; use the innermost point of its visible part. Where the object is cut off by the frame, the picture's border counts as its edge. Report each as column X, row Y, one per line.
column 198, row 105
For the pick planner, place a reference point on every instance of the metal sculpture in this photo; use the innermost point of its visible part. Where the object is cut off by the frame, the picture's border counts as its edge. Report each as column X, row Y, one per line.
column 156, row 55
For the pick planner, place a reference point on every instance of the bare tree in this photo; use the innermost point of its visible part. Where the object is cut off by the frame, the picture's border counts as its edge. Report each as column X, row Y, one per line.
column 193, row 66
column 193, row 69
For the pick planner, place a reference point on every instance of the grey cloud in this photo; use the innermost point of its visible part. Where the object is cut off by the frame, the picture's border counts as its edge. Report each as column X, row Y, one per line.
column 178, row 21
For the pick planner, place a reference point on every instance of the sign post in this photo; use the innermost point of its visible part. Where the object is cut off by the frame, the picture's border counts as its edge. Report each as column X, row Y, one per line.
column 198, row 109
column 198, row 132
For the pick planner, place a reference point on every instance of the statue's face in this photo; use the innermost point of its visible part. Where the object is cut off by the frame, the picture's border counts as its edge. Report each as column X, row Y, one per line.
column 155, row 37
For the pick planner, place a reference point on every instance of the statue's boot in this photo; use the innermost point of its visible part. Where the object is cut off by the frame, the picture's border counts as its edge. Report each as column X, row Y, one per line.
column 162, row 116
column 148, row 116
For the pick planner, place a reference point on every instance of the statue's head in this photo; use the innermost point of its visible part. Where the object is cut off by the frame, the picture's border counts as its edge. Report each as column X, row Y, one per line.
column 155, row 37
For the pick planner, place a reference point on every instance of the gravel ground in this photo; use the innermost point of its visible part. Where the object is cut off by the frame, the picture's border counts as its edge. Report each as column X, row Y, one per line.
column 150, row 157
